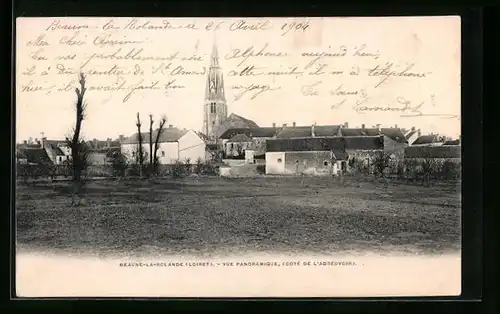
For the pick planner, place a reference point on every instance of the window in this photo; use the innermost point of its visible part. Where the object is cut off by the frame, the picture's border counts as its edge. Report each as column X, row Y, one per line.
column 279, row 160
column 162, row 154
column 212, row 108
column 325, row 163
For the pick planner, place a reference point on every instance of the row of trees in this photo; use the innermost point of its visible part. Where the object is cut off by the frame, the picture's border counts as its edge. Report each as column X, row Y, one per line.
column 426, row 168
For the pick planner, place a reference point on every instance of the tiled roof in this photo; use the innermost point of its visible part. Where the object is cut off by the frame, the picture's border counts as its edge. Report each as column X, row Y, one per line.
column 453, row 142
column 364, row 142
column 203, row 136
column 426, row 139
column 394, row 134
column 359, row 132
column 109, row 151
column 240, row 138
column 27, row 146
column 37, row 156
column 448, row 151
column 326, row 130
column 212, row 147
column 305, row 144
column 167, row 135
column 295, row 132
column 54, row 146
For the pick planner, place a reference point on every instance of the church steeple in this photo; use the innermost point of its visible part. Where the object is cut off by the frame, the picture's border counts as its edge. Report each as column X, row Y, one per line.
column 215, row 111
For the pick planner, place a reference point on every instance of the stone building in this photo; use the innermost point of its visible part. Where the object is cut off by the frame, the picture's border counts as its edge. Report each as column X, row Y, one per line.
column 313, row 156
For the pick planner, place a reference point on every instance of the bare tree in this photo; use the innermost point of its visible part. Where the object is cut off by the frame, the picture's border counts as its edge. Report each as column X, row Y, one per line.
column 157, row 140
column 79, row 152
column 150, row 170
column 140, row 149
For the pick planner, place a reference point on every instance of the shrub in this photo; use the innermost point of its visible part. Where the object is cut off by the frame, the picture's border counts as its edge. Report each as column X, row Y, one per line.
column 199, row 166
column 210, row 169
column 261, row 169
column 381, row 162
column 178, row 169
column 450, row 170
column 119, row 165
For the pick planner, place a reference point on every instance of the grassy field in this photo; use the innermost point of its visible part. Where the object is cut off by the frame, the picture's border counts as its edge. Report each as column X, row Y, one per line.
column 212, row 216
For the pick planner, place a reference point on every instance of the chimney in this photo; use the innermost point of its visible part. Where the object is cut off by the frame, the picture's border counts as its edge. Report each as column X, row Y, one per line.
column 274, row 125
column 346, row 125
column 293, row 124
column 418, row 131
column 30, row 140
column 94, row 143
column 108, row 142
column 25, row 142
column 284, row 125
column 312, row 130
column 121, row 137
column 170, row 126
column 396, row 126
column 43, row 141
column 378, row 127
column 413, row 129
column 362, row 126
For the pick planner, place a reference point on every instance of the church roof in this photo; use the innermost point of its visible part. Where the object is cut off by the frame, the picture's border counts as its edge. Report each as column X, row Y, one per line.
column 234, row 121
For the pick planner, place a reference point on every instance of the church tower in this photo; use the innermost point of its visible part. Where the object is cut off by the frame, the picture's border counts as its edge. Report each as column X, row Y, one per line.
column 215, row 109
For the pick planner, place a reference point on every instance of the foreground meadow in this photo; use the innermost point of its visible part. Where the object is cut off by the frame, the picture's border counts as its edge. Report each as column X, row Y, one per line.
column 213, row 216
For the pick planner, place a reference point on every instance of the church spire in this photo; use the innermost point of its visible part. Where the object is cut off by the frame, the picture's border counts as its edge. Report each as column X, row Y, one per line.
column 215, row 55
column 215, row 81
column 215, row 111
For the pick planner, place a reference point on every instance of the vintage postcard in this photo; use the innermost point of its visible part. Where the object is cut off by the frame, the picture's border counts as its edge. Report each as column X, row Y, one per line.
column 238, row 157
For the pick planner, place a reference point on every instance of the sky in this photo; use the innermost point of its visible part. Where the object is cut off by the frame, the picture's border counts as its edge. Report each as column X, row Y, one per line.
column 50, row 51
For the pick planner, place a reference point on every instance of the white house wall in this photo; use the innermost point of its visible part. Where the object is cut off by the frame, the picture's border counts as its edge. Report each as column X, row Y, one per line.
column 272, row 164
column 192, row 146
column 167, row 153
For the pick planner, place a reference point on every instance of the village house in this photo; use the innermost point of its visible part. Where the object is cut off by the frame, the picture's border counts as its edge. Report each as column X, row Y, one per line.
column 32, row 154
column 173, row 145
column 237, row 145
column 103, row 152
column 57, row 150
column 361, row 151
column 258, row 137
column 428, row 140
column 317, row 156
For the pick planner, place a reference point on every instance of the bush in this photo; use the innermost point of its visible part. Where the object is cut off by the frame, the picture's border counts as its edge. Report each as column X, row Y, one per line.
column 261, row 169
column 450, row 170
column 198, row 166
column 178, row 169
column 209, row 169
